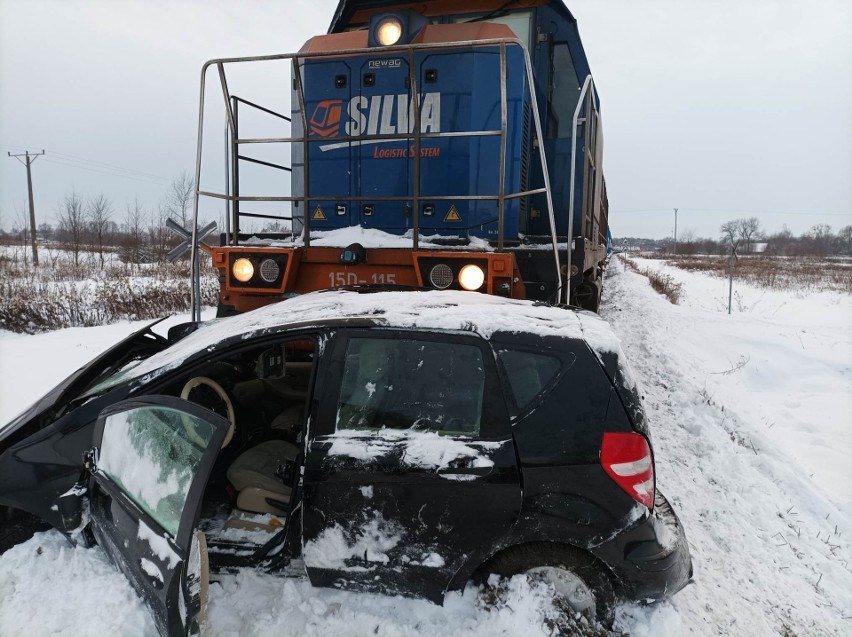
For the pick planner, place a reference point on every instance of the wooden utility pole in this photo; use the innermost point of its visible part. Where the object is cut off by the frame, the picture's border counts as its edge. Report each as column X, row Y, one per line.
column 28, row 160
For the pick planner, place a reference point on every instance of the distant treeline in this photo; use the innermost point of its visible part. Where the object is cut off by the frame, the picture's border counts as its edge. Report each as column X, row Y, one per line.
column 92, row 224
column 749, row 237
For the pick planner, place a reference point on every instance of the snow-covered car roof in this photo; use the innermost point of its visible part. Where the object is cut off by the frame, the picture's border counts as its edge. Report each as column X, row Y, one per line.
column 432, row 310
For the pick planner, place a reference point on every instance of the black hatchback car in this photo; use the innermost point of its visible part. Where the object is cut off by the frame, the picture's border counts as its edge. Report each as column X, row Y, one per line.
column 399, row 442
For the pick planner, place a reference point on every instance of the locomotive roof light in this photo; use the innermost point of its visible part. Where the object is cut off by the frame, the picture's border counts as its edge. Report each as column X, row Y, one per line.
column 471, row 277
column 243, row 270
column 389, row 31
column 397, row 27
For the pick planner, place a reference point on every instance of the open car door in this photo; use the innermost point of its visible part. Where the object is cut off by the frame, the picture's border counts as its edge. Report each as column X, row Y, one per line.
column 151, row 462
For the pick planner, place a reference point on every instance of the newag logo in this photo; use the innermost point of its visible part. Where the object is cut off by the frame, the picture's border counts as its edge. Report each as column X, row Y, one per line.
column 377, row 115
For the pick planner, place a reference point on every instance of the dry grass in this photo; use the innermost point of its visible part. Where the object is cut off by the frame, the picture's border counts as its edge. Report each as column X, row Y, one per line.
column 809, row 274
column 665, row 284
column 60, row 294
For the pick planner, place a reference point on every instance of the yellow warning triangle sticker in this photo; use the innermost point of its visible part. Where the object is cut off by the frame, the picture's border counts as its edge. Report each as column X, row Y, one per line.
column 318, row 215
column 453, row 214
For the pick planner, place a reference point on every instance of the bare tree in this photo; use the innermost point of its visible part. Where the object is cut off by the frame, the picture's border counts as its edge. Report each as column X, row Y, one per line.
column 821, row 239
column 158, row 233
column 72, row 223
column 135, row 232
column 179, row 198
column 731, row 233
column 100, row 211
column 687, row 242
column 781, row 243
column 20, row 232
column 844, row 236
column 45, row 231
column 749, row 229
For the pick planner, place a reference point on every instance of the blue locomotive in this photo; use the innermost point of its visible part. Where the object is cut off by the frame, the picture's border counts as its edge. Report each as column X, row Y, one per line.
column 449, row 134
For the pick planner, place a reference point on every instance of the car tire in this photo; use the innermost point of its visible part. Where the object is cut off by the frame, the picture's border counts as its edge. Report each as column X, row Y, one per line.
column 551, row 561
column 17, row 527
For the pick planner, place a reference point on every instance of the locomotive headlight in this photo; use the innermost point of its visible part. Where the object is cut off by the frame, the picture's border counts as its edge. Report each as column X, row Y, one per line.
column 471, row 277
column 441, row 276
column 389, row 31
column 243, row 270
column 269, row 270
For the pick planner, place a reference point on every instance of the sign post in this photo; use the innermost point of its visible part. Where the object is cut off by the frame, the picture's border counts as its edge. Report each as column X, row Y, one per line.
column 195, row 270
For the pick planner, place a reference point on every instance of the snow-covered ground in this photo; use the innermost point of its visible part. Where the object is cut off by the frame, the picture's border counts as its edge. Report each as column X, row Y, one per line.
column 781, row 362
column 751, row 417
column 770, row 541
column 32, row 365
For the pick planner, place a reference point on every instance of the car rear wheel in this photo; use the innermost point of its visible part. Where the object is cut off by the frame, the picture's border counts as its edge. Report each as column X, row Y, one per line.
column 578, row 578
column 17, row 527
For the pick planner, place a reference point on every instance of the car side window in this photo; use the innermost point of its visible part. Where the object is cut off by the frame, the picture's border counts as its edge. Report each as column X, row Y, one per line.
column 152, row 455
column 411, row 384
column 528, row 374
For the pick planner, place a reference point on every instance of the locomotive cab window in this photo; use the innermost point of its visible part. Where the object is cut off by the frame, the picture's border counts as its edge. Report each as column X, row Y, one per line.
column 564, row 92
column 519, row 22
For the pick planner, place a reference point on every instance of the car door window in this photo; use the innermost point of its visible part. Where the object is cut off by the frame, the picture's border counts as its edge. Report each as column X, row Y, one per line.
column 411, row 384
column 152, row 454
column 528, row 375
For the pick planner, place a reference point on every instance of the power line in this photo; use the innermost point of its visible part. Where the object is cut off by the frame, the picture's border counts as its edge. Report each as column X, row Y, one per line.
column 111, row 166
column 76, row 160
column 104, row 171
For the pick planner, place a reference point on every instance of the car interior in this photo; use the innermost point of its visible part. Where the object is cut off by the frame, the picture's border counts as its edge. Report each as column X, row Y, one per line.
column 411, row 384
column 263, row 393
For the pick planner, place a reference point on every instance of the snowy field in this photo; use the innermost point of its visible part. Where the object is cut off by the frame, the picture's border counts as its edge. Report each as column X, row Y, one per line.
column 752, row 422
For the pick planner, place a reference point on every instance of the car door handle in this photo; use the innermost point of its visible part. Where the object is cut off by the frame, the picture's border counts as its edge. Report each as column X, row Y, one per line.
column 467, row 471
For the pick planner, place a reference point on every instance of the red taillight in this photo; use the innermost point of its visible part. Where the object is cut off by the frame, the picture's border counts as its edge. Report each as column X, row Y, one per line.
column 626, row 457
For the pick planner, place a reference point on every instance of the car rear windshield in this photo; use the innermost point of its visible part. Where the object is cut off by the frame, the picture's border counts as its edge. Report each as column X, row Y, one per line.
column 411, row 384
column 528, row 374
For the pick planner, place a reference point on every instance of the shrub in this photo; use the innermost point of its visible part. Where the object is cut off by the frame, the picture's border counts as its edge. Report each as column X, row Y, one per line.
column 665, row 284
column 36, row 300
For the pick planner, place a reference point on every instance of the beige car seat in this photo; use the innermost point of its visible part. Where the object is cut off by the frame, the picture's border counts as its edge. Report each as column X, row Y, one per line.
column 253, row 475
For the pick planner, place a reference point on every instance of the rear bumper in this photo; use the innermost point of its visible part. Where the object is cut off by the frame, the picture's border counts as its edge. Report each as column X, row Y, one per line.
column 650, row 560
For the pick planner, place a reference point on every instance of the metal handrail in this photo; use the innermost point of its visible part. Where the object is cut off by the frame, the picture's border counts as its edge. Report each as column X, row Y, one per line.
column 416, row 134
column 588, row 83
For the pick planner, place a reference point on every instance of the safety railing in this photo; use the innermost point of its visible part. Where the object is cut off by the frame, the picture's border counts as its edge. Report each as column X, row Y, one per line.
column 593, row 150
column 233, row 196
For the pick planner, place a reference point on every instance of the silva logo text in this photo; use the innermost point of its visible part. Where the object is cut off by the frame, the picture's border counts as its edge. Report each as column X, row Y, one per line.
column 375, row 115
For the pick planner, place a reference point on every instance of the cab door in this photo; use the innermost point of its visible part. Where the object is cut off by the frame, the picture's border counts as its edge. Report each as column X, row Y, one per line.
column 152, row 458
column 411, row 474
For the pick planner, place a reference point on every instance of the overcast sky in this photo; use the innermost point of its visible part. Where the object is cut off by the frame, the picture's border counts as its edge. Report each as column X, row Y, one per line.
column 722, row 108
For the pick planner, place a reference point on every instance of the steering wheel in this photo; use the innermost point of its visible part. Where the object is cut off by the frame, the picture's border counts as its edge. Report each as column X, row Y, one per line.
column 204, row 381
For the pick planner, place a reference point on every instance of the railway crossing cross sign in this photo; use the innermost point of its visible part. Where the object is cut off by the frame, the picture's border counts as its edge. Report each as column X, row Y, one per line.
column 189, row 245
column 186, row 235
